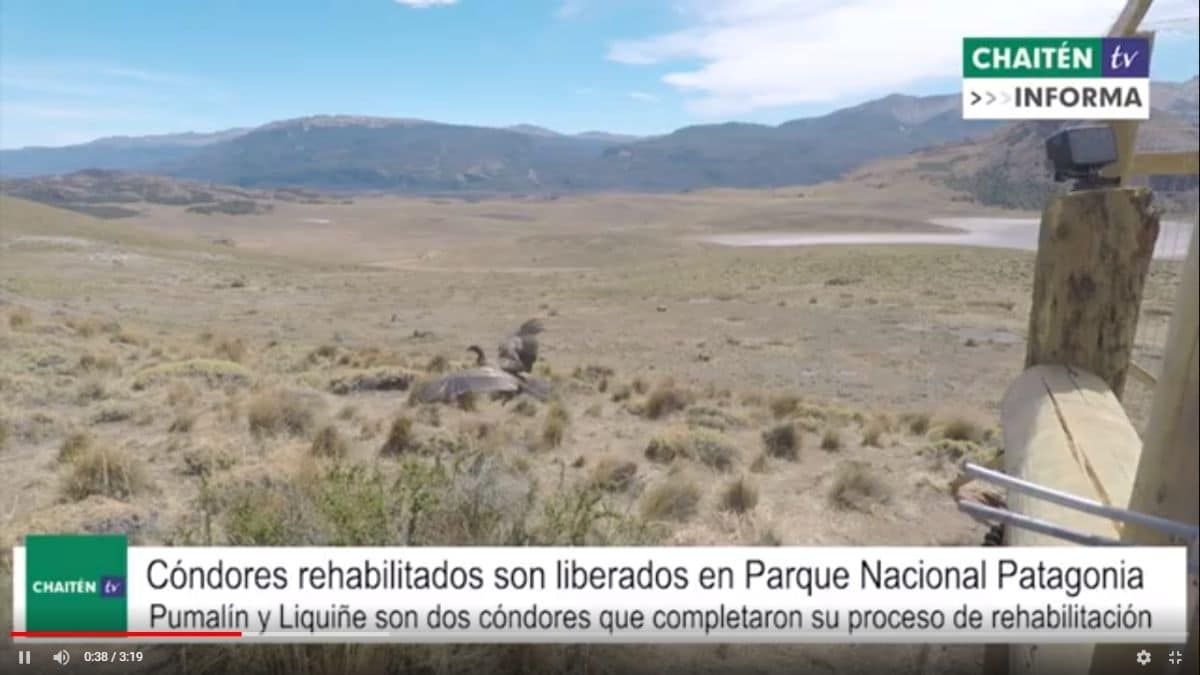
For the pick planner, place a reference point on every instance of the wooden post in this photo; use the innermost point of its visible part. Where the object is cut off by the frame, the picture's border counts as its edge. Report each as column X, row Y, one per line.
column 1064, row 428
column 1094, row 251
column 1168, row 475
column 1167, row 478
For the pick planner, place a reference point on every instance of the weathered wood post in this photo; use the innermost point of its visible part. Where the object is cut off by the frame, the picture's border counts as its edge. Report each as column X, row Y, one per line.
column 1064, row 426
column 1094, row 250
column 1168, row 474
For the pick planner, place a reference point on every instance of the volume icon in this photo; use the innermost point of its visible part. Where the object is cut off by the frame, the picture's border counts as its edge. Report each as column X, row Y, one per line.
column 62, row 657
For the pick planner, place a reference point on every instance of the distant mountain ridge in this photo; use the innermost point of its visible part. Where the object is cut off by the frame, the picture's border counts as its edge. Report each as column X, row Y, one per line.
column 361, row 153
column 355, row 153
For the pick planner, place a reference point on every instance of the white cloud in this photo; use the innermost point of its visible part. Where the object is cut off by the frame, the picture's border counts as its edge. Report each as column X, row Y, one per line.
column 643, row 96
column 755, row 54
column 425, row 4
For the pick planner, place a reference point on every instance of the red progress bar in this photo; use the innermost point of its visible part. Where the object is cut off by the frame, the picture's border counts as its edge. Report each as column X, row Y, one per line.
column 125, row 634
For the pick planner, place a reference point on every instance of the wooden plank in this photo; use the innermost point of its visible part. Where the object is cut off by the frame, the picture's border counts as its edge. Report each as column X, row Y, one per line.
column 1129, row 19
column 1186, row 163
column 1094, row 251
column 1141, row 374
column 1064, row 428
column 1168, row 475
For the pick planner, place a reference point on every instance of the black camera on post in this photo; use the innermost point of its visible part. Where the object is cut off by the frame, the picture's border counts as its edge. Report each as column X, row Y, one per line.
column 1081, row 153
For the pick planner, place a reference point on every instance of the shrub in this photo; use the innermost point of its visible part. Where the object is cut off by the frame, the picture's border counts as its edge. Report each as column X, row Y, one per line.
column 831, row 440
column 708, row 447
column 664, row 400
column 277, row 411
column 102, row 470
column 961, row 428
column 74, row 444
column 782, row 441
column 714, row 450
column 917, row 423
column 400, row 438
column 554, row 427
column 269, row 514
column 676, row 499
column 739, row 496
column 713, row 418
column 873, row 434
column 213, row 371
column 328, row 443
column 854, row 486
column 613, row 475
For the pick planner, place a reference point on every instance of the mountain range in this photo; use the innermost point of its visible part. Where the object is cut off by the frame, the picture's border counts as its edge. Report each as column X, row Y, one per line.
column 352, row 153
column 355, row 153
column 1006, row 167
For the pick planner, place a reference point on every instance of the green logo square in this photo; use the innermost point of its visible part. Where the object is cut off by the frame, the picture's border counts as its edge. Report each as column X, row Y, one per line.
column 75, row 583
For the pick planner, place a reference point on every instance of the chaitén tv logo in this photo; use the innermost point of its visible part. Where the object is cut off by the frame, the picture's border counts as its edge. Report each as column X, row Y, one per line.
column 76, row 583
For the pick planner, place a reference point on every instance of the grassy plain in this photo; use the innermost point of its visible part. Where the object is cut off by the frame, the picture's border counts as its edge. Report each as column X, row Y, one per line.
column 187, row 378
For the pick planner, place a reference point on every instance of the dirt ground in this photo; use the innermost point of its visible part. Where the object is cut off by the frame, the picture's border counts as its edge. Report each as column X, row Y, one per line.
column 185, row 378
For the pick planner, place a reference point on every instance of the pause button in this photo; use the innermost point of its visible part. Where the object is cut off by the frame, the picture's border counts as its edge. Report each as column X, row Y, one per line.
column 23, row 657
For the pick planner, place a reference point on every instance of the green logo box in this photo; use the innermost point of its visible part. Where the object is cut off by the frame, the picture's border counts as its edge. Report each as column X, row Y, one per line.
column 76, row 583
column 1033, row 57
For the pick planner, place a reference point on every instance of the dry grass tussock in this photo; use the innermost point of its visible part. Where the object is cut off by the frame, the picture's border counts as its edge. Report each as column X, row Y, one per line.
column 916, row 423
column 278, row 411
column 676, row 498
column 960, row 427
column 328, row 442
column 400, row 438
column 711, row 448
column 215, row 372
column 831, row 440
column 411, row 503
column 855, row 486
column 872, row 435
column 665, row 399
column 554, row 427
column 75, row 443
column 782, row 441
column 739, row 495
column 612, row 474
column 103, row 470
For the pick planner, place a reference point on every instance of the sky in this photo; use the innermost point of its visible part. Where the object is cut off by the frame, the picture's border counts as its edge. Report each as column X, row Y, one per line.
column 75, row 70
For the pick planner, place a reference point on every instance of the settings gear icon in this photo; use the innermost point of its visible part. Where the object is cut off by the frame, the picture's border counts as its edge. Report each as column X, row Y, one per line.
column 1143, row 658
